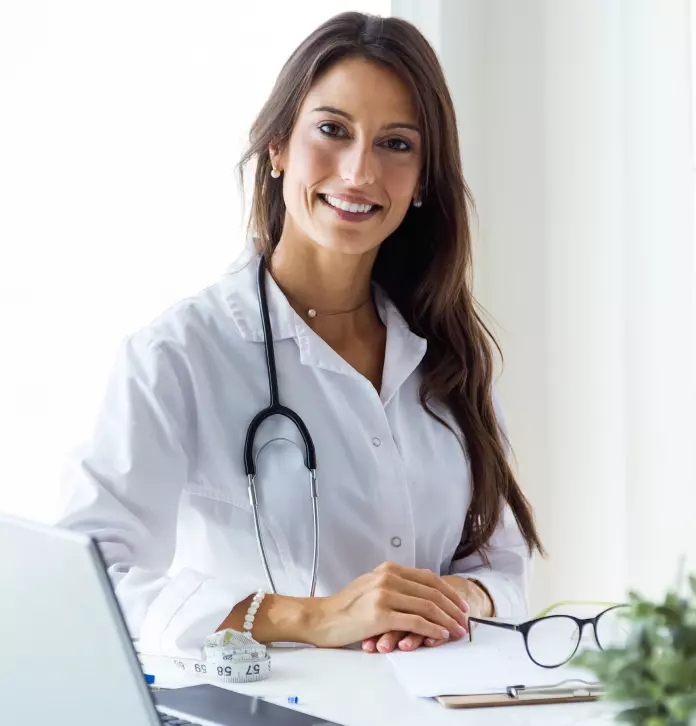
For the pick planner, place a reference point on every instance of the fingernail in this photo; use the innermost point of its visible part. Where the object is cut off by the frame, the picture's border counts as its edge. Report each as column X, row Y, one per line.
column 461, row 630
column 429, row 641
column 369, row 647
column 382, row 647
column 405, row 643
column 465, row 605
column 445, row 634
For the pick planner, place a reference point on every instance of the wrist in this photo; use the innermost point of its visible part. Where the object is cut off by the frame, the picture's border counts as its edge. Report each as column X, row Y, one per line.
column 278, row 618
column 479, row 599
column 487, row 606
column 286, row 618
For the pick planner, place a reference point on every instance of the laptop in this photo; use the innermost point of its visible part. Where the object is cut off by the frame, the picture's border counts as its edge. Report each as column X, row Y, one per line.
column 66, row 656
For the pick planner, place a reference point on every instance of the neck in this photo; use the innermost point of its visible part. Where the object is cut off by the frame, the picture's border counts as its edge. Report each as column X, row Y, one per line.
column 313, row 278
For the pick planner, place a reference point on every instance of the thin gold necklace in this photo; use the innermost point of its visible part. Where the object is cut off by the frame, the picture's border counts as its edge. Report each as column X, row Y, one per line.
column 312, row 313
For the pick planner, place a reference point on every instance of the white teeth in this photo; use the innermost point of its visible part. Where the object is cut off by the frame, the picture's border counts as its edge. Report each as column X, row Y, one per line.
column 347, row 206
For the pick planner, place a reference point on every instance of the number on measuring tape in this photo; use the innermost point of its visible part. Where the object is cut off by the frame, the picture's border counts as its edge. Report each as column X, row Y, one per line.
column 231, row 657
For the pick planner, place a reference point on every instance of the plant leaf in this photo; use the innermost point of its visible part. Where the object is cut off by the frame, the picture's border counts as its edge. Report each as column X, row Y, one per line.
column 640, row 715
column 681, row 706
column 655, row 673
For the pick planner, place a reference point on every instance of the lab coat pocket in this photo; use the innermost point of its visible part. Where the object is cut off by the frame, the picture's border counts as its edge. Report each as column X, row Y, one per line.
column 218, row 537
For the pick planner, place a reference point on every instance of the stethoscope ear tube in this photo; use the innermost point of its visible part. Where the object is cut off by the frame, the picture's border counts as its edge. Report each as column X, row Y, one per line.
column 261, row 416
column 274, row 407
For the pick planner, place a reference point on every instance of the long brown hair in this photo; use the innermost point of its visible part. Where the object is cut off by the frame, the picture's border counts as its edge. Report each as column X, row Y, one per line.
column 425, row 265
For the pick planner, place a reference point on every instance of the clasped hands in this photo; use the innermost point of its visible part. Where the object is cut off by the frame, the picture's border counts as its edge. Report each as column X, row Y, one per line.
column 398, row 607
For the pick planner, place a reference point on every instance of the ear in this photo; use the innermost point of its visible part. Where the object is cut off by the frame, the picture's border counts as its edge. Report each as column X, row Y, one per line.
column 275, row 151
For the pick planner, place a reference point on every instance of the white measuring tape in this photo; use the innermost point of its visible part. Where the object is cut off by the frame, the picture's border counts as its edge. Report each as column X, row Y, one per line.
column 231, row 657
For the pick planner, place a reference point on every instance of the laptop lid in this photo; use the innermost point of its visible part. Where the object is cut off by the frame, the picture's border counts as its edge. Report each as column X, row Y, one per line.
column 65, row 652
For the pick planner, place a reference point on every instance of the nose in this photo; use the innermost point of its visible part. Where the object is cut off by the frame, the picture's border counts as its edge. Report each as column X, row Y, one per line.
column 358, row 165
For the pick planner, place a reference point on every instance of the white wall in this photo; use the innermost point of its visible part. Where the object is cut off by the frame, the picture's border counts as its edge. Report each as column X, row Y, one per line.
column 120, row 129
column 574, row 120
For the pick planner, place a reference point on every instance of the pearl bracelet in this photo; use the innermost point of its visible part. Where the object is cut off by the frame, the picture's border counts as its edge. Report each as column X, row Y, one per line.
column 251, row 612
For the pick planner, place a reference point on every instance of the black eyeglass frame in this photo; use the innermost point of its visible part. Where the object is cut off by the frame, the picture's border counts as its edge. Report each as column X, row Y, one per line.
column 524, row 628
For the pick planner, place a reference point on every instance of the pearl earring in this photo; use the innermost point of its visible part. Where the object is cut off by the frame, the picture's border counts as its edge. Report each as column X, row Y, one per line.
column 417, row 203
column 275, row 173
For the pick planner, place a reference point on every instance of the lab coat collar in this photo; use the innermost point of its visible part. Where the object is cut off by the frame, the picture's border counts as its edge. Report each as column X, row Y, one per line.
column 240, row 290
column 404, row 349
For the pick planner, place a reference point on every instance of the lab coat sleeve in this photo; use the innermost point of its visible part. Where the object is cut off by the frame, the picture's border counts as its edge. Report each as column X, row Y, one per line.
column 123, row 489
column 507, row 577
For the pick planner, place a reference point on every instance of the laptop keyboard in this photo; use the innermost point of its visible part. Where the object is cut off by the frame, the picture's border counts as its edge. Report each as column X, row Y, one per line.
column 167, row 720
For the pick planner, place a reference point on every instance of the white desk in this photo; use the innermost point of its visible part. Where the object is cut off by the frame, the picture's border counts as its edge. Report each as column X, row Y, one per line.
column 359, row 689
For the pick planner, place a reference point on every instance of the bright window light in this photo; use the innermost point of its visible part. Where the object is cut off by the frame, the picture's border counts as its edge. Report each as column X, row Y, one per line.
column 121, row 126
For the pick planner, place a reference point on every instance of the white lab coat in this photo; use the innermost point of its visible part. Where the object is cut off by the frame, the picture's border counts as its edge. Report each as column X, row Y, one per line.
column 161, row 485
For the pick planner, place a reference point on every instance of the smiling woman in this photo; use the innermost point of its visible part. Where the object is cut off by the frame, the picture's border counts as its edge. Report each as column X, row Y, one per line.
column 354, row 156
column 360, row 216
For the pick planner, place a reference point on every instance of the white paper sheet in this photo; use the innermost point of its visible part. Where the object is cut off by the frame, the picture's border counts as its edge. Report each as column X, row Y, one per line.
column 494, row 660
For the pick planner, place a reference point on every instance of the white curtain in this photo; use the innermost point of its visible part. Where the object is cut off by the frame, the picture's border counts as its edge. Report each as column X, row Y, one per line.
column 575, row 125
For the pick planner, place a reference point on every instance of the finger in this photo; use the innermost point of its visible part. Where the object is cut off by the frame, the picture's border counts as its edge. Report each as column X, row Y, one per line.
column 456, row 621
column 416, row 624
column 410, row 641
column 430, row 611
column 458, row 611
column 387, row 643
column 370, row 644
column 427, row 578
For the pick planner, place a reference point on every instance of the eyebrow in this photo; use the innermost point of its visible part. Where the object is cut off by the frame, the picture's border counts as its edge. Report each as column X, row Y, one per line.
column 346, row 115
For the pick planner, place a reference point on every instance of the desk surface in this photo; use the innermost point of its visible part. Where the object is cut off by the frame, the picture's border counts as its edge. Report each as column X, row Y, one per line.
column 360, row 689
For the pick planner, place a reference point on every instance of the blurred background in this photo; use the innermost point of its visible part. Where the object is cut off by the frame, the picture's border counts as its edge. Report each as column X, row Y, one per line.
column 121, row 125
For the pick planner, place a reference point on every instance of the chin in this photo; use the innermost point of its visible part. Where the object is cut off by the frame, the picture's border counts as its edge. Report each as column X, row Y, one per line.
column 348, row 244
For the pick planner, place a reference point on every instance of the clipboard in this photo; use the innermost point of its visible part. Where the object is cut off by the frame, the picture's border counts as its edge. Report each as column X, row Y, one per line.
column 562, row 692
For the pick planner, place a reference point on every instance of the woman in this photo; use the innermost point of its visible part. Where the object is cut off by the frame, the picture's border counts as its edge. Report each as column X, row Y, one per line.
column 360, row 215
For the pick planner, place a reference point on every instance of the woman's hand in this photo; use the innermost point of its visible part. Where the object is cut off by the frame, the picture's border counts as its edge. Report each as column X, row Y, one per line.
column 396, row 639
column 390, row 599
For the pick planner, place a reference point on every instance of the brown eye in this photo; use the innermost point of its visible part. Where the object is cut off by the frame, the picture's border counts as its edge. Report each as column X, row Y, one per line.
column 332, row 129
column 404, row 145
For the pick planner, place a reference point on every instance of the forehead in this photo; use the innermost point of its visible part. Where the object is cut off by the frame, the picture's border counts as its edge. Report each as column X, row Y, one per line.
column 363, row 88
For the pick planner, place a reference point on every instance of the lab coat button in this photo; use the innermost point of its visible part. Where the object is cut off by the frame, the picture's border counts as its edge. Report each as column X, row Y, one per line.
column 376, row 441
column 396, row 541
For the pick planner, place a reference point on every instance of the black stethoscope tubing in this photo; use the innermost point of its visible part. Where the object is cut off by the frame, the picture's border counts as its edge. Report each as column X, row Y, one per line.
column 275, row 408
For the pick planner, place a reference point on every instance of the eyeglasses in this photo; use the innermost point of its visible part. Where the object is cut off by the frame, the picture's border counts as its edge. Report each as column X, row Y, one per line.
column 552, row 640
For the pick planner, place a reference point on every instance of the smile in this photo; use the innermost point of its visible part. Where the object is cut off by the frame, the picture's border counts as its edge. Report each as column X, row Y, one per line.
column 348, row 211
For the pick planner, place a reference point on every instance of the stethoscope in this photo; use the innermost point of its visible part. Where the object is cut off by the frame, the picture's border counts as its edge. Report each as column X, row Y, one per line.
column 275, row 408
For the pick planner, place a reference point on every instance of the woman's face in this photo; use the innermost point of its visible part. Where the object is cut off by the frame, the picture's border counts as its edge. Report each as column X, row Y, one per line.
column 355, row 138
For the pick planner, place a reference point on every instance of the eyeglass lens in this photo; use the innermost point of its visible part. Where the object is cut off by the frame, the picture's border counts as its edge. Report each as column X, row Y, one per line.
column 551, row 641
column 613, row 629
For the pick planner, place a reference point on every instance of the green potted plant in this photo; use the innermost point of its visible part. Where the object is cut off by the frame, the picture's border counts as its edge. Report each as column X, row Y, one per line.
column 654, row 672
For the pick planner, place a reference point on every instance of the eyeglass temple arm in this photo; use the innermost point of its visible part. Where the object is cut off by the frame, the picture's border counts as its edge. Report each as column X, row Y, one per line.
column 494, row 623
column 547, row 610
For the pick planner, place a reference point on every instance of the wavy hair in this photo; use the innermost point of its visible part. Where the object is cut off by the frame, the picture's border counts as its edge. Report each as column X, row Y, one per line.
column 425, row 265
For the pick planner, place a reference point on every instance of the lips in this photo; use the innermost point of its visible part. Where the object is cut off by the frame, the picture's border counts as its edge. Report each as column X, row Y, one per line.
column 348, row 216
column 359, row 204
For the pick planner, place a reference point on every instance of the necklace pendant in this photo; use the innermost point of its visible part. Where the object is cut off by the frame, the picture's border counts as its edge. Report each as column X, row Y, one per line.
column 312, row 313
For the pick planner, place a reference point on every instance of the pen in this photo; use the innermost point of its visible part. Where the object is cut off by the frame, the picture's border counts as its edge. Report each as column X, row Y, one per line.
column 291, row 699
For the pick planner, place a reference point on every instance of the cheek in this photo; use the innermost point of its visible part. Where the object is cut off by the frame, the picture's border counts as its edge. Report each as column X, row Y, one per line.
column 400, row 180
column 310, row 163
